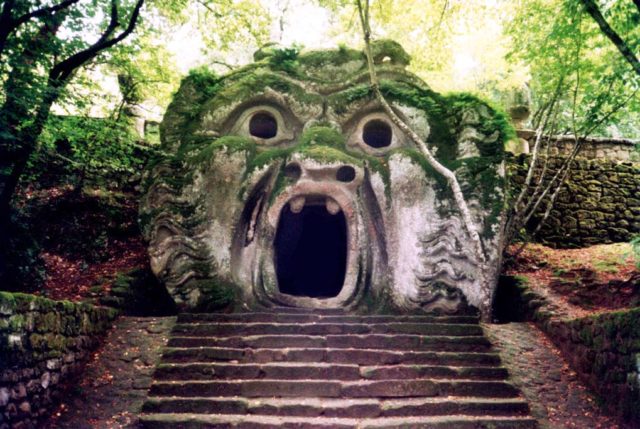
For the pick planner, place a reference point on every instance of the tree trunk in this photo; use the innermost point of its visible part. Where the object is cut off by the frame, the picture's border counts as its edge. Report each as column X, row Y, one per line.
column 592, row 8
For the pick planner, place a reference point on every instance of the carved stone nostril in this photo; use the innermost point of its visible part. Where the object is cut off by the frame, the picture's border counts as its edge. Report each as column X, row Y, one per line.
column 346, row 174
column 292, row 171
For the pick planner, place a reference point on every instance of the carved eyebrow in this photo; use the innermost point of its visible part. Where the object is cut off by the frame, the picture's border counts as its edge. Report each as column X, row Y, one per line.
column 246, row 87
column 250, row 89
column 340, row 101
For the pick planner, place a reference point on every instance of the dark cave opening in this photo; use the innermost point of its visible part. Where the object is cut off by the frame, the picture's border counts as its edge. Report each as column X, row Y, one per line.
column 311, row 252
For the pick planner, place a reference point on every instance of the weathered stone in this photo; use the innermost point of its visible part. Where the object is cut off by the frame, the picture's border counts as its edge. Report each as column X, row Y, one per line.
column 4, row 396
column 37, row 333
column 255, row 155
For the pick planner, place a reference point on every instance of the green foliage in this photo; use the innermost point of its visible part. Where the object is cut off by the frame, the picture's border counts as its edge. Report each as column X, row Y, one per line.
column 285, row 59
column 635, row 246
column 146, row 72
column 564, row 48
column 95, row 149
column 217, row 294
column 326, row 136
column 389, row 49
column 204, row 81
column 315, row 59
column 25, row 269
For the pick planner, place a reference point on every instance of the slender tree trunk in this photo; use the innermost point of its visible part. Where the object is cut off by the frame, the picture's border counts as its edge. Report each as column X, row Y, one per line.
column 592, row 8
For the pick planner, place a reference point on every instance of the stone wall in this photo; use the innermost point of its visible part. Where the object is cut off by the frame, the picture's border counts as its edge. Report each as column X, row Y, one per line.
column 603, row 349
column 43, row 343
column 603, row 148
column 599, row 204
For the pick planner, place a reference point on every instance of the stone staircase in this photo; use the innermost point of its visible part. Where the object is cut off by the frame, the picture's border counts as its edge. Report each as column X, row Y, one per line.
column 326, row 369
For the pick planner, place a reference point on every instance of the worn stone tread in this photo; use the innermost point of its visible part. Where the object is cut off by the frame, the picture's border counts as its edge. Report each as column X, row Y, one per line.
column 251, row 328
column 321, row 370
column 370, row 341
column 335, row 388
column 342, row 407
column 350, row 355
column 199, row 421
column 327, row 369
column 266, row 317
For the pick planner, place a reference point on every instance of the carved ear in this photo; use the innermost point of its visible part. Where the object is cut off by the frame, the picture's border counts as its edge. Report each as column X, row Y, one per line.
column 389, row 51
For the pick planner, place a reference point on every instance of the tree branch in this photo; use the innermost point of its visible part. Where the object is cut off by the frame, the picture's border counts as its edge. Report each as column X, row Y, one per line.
column 8, row 24
column 44, row 11
column 468, row 223
column 64, row 69
column 445, row 6
column 592, row 8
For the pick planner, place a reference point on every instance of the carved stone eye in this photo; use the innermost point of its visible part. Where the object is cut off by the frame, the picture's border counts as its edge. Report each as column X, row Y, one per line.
column 263, row 125
column 377, row 133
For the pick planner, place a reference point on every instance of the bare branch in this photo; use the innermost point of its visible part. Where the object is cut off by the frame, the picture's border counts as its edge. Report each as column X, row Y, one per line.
column 448, row 174
column 224, row 64
column 536, row 148
column 437, row 26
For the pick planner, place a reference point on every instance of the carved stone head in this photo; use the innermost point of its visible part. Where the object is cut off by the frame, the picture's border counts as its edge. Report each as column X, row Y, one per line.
column 285, row 183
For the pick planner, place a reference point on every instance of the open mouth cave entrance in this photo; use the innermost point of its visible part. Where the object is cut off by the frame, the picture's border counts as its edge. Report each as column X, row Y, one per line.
column 311, row 251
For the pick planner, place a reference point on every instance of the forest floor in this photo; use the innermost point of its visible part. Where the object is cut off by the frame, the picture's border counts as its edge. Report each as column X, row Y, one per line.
column 115, row 381
column 581, row 282
column 86, row 239
column 557, row 397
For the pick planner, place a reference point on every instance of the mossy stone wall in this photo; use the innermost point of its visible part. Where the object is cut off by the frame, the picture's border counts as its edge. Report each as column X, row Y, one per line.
column 603, row 148
column 43, row 343
column 603, row 349
column 600, row 203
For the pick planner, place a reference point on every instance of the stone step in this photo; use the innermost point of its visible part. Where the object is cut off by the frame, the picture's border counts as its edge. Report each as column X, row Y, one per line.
column 351, row 408
column 237, row 329
column 201, row 421
column 321, row 371
column 330, row 355
column 368, row 341
column 335, row 388
column 300, row 310
column 268, row 317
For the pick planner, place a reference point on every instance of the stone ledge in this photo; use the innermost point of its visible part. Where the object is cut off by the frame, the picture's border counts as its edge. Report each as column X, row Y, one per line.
column 530, row 134
column 604, row 349
column 43, row 344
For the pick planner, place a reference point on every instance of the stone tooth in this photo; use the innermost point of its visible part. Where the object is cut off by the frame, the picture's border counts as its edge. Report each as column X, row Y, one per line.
column 297, row 204
column 332, row 206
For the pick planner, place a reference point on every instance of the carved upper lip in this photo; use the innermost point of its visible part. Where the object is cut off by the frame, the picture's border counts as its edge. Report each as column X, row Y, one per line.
column 297, row 203
column 332, row 195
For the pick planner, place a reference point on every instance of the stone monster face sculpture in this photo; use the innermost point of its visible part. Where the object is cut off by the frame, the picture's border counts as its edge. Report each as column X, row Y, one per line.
column 285, row 183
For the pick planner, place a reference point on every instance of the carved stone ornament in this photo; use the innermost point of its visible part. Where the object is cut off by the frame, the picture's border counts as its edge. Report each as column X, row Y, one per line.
column 285, row 183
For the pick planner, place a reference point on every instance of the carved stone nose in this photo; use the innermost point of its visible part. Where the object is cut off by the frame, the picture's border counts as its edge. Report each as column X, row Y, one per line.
column 296, row 170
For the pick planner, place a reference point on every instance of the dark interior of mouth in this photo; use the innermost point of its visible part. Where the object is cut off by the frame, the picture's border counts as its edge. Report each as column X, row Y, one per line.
column 311, row 252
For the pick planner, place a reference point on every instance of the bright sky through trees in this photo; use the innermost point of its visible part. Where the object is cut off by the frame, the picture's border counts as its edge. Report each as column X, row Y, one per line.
column 493, row 48
column 473, row 44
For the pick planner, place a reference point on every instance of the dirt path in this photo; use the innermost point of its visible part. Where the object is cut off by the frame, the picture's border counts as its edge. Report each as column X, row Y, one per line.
column 557, row 397
column 115, row 382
